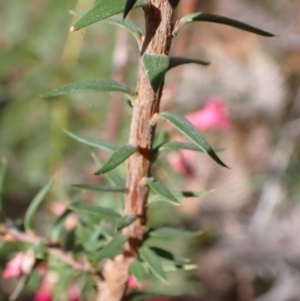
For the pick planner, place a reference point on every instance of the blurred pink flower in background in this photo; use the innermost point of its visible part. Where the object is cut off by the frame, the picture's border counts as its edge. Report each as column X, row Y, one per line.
column 132, row 282
column 13, row 267
column 74, row 292
column 47, row 288
column 20, row 265
column 181, row 162
column 213, row 115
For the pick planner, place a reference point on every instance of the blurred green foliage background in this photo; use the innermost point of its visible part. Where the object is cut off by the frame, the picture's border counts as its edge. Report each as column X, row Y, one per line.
column 37, row 53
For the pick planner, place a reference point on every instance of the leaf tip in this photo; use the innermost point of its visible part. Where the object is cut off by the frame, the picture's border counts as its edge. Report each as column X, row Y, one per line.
column 72, row 29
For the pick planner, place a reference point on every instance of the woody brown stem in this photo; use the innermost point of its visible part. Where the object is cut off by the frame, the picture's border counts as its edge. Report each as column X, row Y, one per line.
column 158, row 36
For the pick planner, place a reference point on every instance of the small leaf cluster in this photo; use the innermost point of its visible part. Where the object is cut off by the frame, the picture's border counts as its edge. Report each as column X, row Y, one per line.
column 80, row 253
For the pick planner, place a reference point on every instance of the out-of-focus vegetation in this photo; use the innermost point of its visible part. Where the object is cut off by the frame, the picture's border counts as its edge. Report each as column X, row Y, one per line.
column 250, row 222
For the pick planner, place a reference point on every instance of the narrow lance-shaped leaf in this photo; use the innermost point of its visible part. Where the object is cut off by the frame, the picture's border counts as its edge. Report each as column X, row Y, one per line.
column 94, row 210
column 91, row 85
column 204, row 17
column 40, row 251
column 104, row 9
column 182, row 195
column 159, row 188
column 177, row 61
column 156, row 67
column 129, row 25
column 169, row 266
column 153, row 262
column 65, row 278
column 125, row 221
column 138, row 271
column 166, row 255
column 113, row 248
column 100, row 188
column 3, row 166
column 191, row 132
column 118, row 157
column 95, row 142
column 34, row 205
column 113, row 177
column 176, row 145
column 172, row 233
column 128, row 6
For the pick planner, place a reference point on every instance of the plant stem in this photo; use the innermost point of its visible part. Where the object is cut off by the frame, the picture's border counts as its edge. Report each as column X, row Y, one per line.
column 159, row 26
column 157, row 41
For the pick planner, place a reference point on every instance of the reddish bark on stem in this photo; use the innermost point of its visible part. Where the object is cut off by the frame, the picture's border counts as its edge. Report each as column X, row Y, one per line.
column 158, row 36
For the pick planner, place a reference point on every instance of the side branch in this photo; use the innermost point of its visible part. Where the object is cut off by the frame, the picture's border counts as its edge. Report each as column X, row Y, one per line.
column 12, row 234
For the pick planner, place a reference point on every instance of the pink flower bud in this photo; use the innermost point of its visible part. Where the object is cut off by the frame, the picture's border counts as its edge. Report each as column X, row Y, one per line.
column 13, row 267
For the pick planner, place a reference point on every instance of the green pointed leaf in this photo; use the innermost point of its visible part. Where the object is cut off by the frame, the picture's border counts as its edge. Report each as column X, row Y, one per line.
column 118, row 157
column 104, row 9
column 91, row 85
column 191, row 132
column 166, row 255
column 3, row 166
column 182, row 195
column 19, row 288
column 128, row 7
column 169, row 266
column 34, row 205
column 68, row 240
column 138, row 271
column 113, row 248
column 177, row 61
column 204, row 17
column 108, row 231
column 159, row 188
column 172, row 233
column 125, row 221
column 99, row 143
column 129, row 25
column 65, row 277
column 113, row 177
column 176, row 145
column 92, row 246
column 100, row 188
column 156, row 67
column 40, row 251
column 153, row 262
column 192, row 194
column 94, row 210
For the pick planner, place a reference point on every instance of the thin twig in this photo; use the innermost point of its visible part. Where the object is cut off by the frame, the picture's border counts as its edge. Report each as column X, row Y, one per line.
column 12, row 234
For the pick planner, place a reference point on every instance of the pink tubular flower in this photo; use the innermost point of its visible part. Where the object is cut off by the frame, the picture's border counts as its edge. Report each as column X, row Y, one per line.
column 74, row 292
column 42, row 296
column 132, row 282
column 213, row 115
column 13, row 267
column 47, row 288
